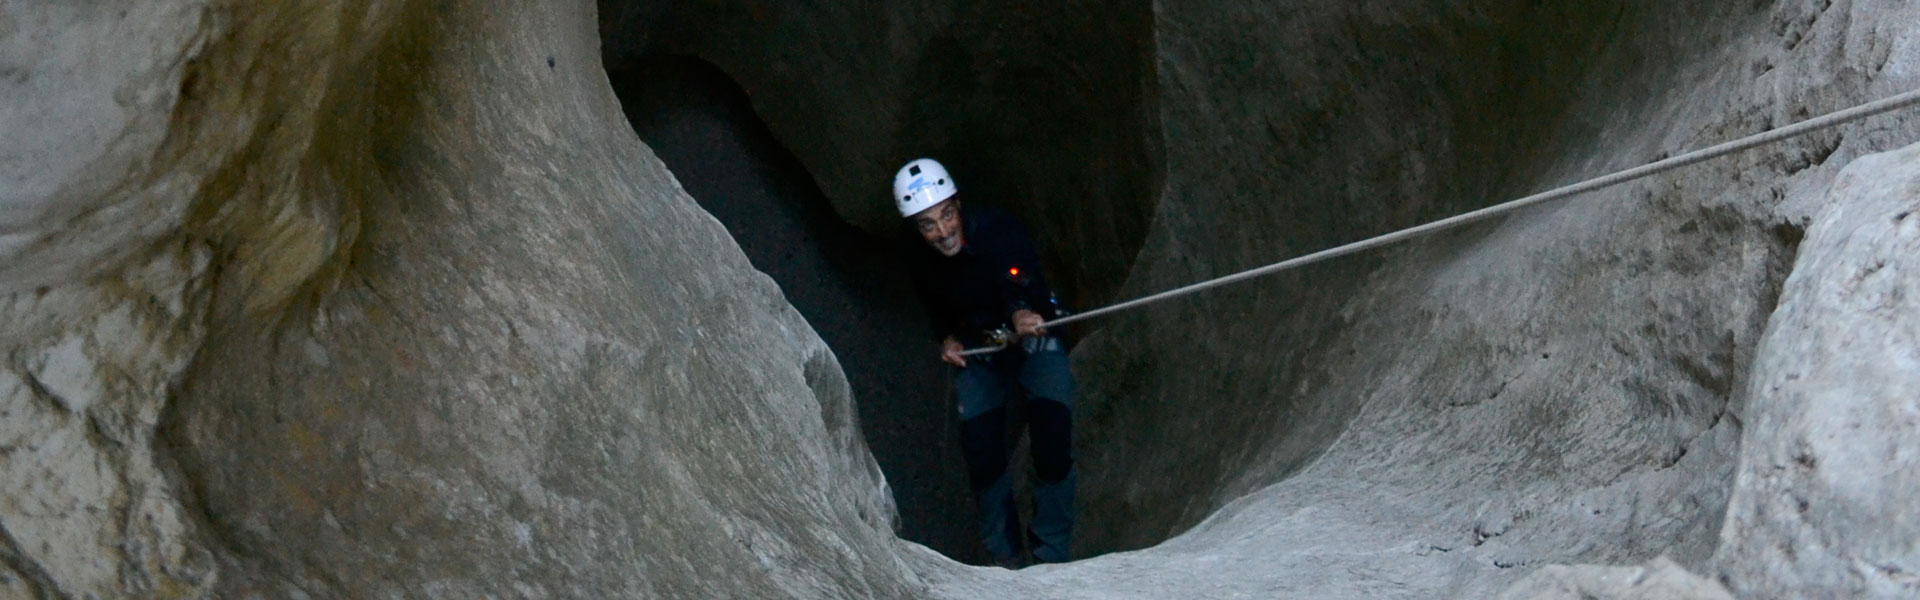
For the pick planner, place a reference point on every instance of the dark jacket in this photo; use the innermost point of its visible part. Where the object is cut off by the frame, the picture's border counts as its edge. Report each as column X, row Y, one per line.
column 996, row 273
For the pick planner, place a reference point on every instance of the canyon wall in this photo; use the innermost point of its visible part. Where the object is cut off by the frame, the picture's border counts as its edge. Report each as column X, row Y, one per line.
column 387, row 299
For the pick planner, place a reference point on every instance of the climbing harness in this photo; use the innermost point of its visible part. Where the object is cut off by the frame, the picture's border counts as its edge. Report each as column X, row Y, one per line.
column 1827, row 121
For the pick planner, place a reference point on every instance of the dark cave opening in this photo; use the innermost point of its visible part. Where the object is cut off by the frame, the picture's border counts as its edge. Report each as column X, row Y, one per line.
column 848, row 283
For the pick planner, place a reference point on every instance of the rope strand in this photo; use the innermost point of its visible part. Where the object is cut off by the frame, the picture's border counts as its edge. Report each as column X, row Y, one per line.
column 1827, row 121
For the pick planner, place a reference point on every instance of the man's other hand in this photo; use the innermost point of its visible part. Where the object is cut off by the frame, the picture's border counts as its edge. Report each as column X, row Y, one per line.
column 950, row 352
column 1027, row 322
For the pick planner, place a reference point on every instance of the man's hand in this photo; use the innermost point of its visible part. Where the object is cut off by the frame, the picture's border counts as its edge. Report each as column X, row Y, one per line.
column 950, row 352
column 1027, row 322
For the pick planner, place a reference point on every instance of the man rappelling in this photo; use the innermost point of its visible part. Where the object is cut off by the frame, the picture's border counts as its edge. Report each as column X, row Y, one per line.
column 978, row 273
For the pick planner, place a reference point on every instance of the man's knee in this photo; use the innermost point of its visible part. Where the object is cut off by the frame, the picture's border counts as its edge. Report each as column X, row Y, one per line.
column 1050, row 425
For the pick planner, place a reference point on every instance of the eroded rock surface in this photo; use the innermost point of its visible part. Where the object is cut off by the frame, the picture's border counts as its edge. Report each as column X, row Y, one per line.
column 99, row 304
column 376, row 299
column 1561, row 374
column 1829, row 469
column 406, row 311
column 851, row 286
column 1562, row 387
column 1658, row 579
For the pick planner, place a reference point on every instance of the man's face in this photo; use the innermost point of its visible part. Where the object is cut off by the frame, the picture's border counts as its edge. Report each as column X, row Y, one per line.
column 940, row 226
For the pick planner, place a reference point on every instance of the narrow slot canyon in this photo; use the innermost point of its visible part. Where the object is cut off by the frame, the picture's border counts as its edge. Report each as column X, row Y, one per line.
column 849, row 284
column 606, row 299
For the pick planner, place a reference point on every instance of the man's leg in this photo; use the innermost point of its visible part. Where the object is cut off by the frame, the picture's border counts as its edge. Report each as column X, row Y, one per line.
column 1049, row 385
column 983, row 439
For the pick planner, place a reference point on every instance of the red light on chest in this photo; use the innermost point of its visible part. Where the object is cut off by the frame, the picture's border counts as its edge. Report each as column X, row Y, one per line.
column 1014, row 275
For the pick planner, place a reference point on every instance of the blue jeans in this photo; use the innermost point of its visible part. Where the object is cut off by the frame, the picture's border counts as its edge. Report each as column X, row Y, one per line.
column 984, row 387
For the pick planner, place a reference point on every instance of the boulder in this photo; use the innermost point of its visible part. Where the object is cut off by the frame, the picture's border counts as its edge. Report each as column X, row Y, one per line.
column 1823, row 506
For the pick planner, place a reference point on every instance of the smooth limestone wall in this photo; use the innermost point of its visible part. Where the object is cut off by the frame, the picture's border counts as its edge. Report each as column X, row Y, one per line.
column 395, row 305
column 1568, row 385
column 849, row 284
column 386, row 299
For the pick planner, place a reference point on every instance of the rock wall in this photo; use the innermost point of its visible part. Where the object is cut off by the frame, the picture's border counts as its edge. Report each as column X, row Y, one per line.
column 1565, row 386
column 1658, row 579
column 849, row 284
column 1289, row 130
column 1046, row 108
column 385, row 299
column 101, row 302
column 382, row 299
column 1823, row 503
column 1820, row 506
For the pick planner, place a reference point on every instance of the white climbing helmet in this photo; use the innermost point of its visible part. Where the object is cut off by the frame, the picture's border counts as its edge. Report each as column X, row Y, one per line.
column 921, row 184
